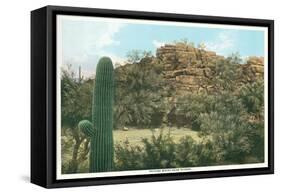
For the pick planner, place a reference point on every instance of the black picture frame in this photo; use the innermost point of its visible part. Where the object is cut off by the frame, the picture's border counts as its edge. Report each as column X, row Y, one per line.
column 43, row 95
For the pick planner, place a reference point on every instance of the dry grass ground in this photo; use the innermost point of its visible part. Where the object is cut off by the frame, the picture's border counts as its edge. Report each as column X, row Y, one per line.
column 135, row 136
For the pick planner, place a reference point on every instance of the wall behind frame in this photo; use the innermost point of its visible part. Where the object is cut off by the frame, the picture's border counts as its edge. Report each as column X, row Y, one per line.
column 15, row 95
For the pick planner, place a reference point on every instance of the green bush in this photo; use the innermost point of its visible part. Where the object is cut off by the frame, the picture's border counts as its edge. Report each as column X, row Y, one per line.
column 190, row 106
column 230, row 126
column 161, row 151
column 190, row 153
column 252, row 96
column 128, row 157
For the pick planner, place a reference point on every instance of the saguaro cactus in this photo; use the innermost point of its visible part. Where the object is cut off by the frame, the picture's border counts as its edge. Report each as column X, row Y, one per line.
column 100, row 130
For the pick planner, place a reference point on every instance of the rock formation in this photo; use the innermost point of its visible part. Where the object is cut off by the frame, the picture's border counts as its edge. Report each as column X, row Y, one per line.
column 185, row 67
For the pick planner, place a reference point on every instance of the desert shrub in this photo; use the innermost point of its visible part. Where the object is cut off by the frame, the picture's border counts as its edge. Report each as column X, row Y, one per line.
column 230, row 126
column 158, row 152
column 256, row 136
column 185, row 152
column 161, row 151
column 190, row 153
column 190, row 106
column 252, row 96
column 128, row 157
column 206, row 153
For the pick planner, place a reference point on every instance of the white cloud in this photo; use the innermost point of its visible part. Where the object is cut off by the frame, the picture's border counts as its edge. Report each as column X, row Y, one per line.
column 245, row 59
column 88, row 62
column 115, row 59
column 107, row 36
column 224, row 42
column 84, row 42
column 157, row 43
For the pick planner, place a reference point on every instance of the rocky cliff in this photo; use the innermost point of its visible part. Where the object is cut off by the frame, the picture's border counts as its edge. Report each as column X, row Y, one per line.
column 185, row 67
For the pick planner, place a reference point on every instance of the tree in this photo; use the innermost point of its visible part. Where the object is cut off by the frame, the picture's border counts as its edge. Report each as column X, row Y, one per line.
column 75, row 100
column 202, row 46
column 134, row 56
column 139, row 89
column 222, row 75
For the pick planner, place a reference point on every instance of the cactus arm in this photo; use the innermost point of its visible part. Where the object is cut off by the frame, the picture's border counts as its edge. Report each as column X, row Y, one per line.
column 87, row 128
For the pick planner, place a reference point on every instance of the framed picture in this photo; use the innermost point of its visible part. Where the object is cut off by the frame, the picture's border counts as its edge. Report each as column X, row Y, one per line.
column 125, row 96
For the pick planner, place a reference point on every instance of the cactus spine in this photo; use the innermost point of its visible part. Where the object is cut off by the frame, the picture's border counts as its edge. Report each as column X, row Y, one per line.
column 100, row 132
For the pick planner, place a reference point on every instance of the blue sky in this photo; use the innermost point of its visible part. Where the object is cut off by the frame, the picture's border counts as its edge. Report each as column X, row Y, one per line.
column 85, row 41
